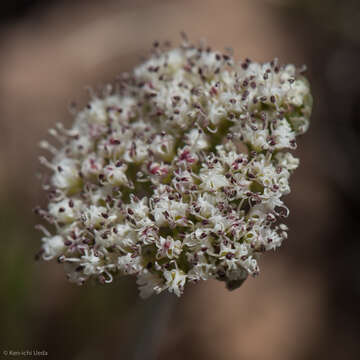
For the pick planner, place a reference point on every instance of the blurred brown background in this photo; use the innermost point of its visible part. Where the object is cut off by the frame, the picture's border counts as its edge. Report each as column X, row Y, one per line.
column 304, row 304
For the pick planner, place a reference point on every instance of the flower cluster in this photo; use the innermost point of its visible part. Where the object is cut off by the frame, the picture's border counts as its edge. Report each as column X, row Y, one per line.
column 175, row 174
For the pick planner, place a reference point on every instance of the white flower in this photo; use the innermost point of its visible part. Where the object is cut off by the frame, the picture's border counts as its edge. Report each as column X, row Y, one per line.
column 168, row 210
column 74, row 276
column 149, row 283
column 297, row 93
column 53, row 247
column 168, row 247
column 178, row 175
column 92, row 165
column 197, row 140
column 201, row 271
column 129, row 264
column 115, row 173
column 175, row 281
column 287, row 161
column 65, row 211
column 212, row 179
column 139, row 208
column 90, row 262
column 66, row 176
column 94, row 216
column 282, row 134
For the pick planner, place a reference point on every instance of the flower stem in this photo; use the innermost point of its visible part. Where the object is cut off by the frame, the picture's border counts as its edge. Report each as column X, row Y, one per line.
column 158, row 314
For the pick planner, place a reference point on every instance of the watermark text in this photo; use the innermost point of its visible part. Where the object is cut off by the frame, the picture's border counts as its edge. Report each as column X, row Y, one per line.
column 27, row 352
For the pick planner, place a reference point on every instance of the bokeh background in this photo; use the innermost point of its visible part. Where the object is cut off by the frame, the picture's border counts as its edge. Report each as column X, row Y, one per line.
column 304, row 304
